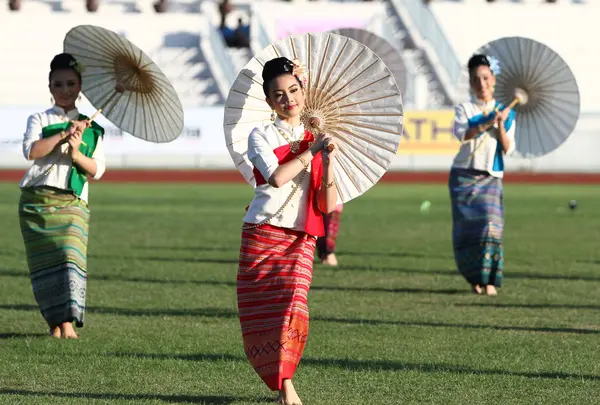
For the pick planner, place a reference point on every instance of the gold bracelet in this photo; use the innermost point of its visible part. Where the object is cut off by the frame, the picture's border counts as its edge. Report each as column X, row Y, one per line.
column 74, row 159
column 301, row 159
column 329, row 185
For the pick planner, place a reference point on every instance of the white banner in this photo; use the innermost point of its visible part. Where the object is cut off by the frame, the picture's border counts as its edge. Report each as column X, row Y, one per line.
column 202, row 134
column 202, row 145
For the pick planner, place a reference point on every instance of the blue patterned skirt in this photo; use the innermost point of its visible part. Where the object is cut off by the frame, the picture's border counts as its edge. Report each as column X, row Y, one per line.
column 478, row 225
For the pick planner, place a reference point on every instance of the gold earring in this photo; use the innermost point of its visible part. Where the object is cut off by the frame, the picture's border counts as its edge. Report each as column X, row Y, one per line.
column 273, row 116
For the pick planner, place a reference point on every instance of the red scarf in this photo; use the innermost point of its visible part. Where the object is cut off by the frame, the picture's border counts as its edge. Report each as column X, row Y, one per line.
column 314, row 218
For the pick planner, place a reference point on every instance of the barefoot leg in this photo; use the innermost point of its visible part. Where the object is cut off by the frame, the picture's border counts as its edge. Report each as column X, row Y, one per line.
column 67, row 331
column 55, row 332
column 490, row 290
column 330, row 260
column 290, row 397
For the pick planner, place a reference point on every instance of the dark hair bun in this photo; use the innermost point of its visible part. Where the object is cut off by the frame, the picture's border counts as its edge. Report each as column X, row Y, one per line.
column 478, row 60
column 63, row 61
column 275, row 68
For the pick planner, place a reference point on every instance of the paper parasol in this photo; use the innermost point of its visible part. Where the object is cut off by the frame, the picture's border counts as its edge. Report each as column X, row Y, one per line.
column 351, row 93
column 539, row 85
column 125, row 84
column 383, row 49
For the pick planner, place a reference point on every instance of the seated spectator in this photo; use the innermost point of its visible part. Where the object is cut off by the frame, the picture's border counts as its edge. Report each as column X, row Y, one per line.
column 234, row 38
column 14, row 5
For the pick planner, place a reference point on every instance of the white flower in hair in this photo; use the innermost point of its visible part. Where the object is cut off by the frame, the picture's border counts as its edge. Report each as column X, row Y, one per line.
column 77, row 66
column 300, row 72
column 494, row 65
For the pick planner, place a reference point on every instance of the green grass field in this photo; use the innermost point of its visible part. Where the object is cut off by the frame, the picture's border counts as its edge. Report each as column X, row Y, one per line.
column 394, row 324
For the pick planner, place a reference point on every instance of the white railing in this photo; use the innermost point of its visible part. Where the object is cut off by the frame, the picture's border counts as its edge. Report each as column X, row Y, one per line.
column 425, row 29
column 214, row 48
column 259, row 39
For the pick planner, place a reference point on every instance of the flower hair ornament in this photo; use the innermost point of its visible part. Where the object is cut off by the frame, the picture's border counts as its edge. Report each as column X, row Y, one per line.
column 300, row 72
column 494, row 65
column 77, row 66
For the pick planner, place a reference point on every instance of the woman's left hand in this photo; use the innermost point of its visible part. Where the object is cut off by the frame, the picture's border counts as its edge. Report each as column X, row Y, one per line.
column 80, row 126
column 74, row 142
column 327, row 155
column 502, row 116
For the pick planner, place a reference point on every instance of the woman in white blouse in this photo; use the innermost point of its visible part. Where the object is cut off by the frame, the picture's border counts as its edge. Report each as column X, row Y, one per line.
column 66, row 149
column 487, row 132
column 294, row 185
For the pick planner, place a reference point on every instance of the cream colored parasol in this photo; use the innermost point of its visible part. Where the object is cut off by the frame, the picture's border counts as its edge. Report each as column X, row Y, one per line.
column 350, row 94
column 540, row 86
column 123, row 83
column 383, row 49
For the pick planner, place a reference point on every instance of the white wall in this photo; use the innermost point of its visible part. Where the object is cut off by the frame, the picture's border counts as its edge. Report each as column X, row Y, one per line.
column 569, row 29
column 36, row 38
column 203, row 146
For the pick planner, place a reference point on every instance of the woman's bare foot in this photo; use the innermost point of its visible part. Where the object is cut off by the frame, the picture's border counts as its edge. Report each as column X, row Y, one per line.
column 289, row 395
column 67, row 331
column 330, row 260
column 477, row 289
column 490, row 290
column 55, row 332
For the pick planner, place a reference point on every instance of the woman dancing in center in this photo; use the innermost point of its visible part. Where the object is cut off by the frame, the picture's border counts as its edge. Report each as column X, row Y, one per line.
column 294, row 186
column 487, row 132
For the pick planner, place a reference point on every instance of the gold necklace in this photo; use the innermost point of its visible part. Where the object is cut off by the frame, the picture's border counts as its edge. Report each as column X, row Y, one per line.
column 484, row 109
column 294, row 145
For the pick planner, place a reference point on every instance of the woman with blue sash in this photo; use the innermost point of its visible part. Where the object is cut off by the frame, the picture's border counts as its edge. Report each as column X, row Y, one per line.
column 486, row 130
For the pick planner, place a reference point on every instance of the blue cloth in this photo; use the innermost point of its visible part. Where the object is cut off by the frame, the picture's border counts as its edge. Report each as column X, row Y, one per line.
column 482, row 119
column 477, row 225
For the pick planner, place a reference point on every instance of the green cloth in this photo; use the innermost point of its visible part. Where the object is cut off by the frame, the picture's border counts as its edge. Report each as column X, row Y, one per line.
column 55, row 224
column 78, row 176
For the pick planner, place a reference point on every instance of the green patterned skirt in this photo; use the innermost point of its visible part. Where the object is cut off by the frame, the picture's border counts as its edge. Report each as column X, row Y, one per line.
column 54, row 224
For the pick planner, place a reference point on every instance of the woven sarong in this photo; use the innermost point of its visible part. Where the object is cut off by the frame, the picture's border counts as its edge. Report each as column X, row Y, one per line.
column 478, row 224
column 54, row 225
column 326, row 244
column 273, row 279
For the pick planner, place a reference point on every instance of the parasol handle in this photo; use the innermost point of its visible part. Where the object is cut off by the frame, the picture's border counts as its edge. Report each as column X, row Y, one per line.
column 513, row 103
column 315, row 123
column 96, row 114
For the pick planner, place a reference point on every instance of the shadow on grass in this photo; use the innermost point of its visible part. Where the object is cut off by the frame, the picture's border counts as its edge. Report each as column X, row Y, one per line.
column 532, row 306
column 167, row 259
column 133, row 279
column 372, row 365
column 224, row 313
column 455, row 273
column 193, row 399
column 205, row 312
column 393, row 254
column 11, row 335
column 342, row 267
column 233, row 250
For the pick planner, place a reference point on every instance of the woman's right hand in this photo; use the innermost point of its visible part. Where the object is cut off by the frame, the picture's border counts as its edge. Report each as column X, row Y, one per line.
column 320, row 142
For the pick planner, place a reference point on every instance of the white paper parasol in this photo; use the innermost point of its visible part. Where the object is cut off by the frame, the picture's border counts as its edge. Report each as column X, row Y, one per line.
column 351, row 92
column 383, row 49
column 540, row 86
column 125, row 84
